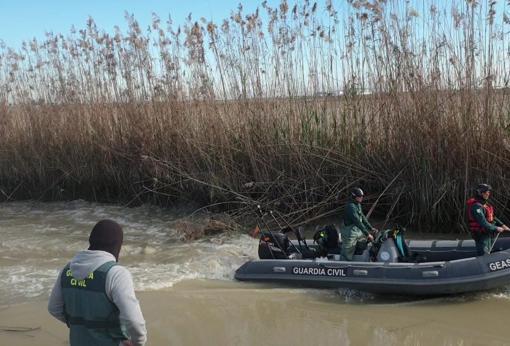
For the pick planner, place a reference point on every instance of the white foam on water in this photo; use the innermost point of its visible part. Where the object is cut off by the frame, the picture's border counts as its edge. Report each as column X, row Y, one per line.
column 206, row 260
column 38, row 239
column 502, row 293
column 352, row 296
column 20, row 282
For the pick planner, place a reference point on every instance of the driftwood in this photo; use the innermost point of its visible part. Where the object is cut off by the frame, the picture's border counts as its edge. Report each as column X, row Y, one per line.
column 192, row 230
column 16, row 329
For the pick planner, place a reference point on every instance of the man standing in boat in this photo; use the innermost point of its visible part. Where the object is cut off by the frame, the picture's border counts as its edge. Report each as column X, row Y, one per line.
column 356, row 227
column 482, row 222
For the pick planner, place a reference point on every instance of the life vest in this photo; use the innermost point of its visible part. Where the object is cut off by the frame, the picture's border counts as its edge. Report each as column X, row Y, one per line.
column 90, row 315
column 474, row 226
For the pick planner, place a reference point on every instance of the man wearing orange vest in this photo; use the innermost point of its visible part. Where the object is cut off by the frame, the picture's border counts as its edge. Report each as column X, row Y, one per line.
column 482, row 222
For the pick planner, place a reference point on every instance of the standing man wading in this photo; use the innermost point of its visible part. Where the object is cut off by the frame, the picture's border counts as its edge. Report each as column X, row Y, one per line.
column 95, row 297
column 356, row 226
column 481, row 220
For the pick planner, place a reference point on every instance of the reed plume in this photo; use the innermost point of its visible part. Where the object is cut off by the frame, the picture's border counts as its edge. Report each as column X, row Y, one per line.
column 289, row 106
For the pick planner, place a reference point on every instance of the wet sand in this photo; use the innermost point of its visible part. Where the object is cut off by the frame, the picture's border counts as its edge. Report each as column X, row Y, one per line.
column 228, row 313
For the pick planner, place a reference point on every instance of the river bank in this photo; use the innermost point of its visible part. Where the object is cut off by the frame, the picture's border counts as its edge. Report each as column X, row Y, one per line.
column 287, row 106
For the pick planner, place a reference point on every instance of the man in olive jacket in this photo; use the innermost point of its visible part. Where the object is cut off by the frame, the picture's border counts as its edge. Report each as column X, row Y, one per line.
column 356, row 226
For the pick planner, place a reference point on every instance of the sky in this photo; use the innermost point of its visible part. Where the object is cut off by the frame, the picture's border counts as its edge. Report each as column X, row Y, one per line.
column 22, row 20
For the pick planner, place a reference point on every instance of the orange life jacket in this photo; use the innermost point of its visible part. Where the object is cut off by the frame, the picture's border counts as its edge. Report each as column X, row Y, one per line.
column 474, row 226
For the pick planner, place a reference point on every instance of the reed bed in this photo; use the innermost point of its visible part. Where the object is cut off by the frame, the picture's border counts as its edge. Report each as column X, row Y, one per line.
column 288, row 107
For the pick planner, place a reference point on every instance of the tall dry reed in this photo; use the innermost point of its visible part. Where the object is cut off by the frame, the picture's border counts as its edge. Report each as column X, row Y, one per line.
column 287, row 106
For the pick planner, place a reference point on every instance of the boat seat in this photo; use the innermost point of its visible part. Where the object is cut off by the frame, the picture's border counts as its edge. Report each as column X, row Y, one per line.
column 445, row 243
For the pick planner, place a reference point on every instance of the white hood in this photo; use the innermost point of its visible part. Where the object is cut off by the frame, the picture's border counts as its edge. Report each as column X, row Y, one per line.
column 87, row 261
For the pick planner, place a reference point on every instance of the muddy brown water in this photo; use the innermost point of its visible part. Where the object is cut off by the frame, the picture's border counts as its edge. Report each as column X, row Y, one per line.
column 189, row 297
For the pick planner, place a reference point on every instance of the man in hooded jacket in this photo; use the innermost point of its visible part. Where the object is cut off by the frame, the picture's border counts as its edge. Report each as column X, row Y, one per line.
column 94, row 295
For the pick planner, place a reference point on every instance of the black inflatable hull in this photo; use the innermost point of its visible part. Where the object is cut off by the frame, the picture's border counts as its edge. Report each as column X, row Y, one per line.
column 459, row 272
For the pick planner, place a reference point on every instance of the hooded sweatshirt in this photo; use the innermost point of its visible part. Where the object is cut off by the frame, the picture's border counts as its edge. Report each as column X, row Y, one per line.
column 119, row 289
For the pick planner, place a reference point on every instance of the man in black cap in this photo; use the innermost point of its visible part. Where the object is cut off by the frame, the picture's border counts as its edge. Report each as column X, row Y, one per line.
column 94, row 295
column 356, row 226
column 481, row 220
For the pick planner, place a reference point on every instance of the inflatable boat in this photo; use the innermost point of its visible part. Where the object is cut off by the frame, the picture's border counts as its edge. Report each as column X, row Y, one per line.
column 388, row 265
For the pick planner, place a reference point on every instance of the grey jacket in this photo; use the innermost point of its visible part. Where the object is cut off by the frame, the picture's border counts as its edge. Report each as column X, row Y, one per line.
column 119, row 289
